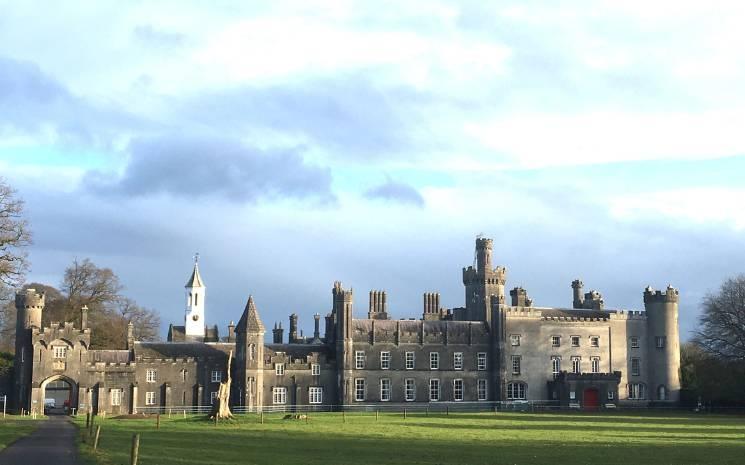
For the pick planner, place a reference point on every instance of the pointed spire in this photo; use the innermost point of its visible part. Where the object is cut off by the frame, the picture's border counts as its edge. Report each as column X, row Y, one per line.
column 250, row 321
column 196, row 279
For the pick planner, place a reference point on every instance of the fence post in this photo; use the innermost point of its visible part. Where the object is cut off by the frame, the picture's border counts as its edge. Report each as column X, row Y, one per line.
column 344, row 416
column 404, row 413
column 428, row 410
column 184, row 414
column 98, row 433
column 135, row 449
column 447, row 410
column 262, row 417
column 376, row 414
column 87, row 420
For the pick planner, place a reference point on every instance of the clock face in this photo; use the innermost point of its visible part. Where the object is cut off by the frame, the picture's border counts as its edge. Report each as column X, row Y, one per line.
column 195, row 317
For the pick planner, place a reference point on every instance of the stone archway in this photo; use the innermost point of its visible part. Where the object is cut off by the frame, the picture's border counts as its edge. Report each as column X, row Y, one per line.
column 58, row 394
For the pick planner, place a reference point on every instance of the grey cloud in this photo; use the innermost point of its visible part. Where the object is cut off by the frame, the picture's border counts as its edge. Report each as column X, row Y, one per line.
column 347, row 115
column 195, row 167
column 393, row 191
column 32, row 102
column 149, row 35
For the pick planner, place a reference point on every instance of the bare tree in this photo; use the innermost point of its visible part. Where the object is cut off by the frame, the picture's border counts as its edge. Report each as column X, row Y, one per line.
column 86, row 284
column 14, row 236
column 722, row 332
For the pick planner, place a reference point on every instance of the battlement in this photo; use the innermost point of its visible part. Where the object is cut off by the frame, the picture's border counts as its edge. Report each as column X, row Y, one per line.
column 484, row 243
column 30, row 298
column 497, row 275
column 339, row 291
column 670, row 295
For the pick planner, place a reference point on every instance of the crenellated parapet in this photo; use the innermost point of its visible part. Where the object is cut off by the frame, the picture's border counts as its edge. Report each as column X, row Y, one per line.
column 670, row 295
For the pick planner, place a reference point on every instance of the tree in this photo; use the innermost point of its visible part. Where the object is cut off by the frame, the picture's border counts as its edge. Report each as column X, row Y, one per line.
column 86, row 284
column 14, row 236
column 722, row 323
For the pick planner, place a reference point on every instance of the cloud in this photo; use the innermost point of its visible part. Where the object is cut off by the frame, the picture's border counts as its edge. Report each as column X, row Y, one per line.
column 149, row 35
column 396, row 192
column 196, row 167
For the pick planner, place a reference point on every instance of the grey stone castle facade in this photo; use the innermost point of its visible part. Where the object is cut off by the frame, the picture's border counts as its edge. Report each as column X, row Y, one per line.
column 489, row 350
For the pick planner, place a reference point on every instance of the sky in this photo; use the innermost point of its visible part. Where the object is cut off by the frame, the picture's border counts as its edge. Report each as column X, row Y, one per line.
column 293, row 144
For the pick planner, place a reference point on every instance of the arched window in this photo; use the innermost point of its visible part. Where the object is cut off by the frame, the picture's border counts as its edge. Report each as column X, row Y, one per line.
column 661, row 392
column 190, row 299
column 196, row 300
column 517, row 391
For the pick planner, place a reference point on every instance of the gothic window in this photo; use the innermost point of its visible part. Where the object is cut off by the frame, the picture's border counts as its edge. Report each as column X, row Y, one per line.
column 595, row 364
column 196, row 300
column 637, row 391
column 576, row 364
column 516, row 391
column 555, row 365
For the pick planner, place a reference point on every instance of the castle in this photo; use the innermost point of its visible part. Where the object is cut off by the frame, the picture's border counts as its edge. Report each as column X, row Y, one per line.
column 491, row 350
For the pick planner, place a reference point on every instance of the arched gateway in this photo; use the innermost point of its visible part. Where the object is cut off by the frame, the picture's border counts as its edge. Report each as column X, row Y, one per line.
column 58, row 395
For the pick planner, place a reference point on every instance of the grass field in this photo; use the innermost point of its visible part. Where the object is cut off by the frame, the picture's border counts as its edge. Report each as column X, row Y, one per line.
column 13, row 427
column 518, row 438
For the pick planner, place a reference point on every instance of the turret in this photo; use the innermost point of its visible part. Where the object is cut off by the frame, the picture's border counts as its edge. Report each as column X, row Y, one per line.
column 231, row 331
column 431, row 306
column 293, row 328
column 483, row 283
column 195, row 299
column 663, row 346
column 249, row 341
column 593, row 300
column 29, row 308
column 378, row 309
column 342, row 309
column 519, row 297
column 317, row 328
column 578, row 300
column 278, row 333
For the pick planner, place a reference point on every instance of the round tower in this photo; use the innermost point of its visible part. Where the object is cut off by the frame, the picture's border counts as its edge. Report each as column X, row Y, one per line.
column 663, row 344
column 29, row 307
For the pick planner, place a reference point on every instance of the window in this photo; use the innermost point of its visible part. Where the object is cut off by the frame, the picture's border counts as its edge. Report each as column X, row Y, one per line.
column 434, row 390
column 555, row 365
column 515, row 339
column 60, row 351
column 216, row 376
column 575, row 341
column 279, row 395
column 516, row 359
column 457, row 390
column 385, row 390
column 434, row 361
column 410, row 389
column 595, row 364
column 516, row 391
column 634, row 342
column 315, row 369
column 572, row 395
column 359, row 389
column 150, row 398
column 611, row 395
column 458, row 361
column 213, row 396
column 385, row 360
column 482, row 393
column 659, row 342
column 359, row 359
column 151, row 375
column 196, row 300
column 409, row 360
column 636, row 391
column 555, row 341
column 635, row 367
column 594, row 341
column 661, row 392
column 576, row 365
column 183, row 375
column 279, row 369
column 481, row 360
column 315, row 395
column 116, row 397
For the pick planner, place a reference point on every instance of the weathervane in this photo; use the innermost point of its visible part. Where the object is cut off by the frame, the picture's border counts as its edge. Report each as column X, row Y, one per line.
column 196, row 258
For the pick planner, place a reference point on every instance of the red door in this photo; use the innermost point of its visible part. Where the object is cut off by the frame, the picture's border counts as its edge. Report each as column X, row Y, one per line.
column 591, row 399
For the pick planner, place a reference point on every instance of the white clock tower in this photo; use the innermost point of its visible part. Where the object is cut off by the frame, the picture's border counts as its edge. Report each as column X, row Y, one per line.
column 195, row 294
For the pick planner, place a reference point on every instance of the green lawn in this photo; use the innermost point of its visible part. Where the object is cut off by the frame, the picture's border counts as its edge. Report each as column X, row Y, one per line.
column 517, row 438
column 13, row 427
